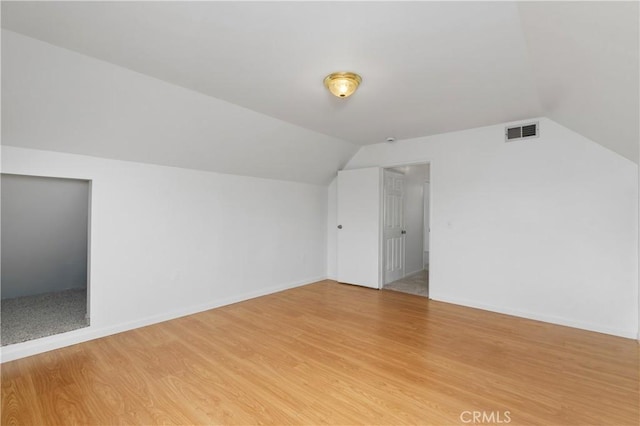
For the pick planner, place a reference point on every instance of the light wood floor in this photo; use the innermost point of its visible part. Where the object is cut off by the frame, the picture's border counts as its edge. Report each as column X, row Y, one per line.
column 331, row 353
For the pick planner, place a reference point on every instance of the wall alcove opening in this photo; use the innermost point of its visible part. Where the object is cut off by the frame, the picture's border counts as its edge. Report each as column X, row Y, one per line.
column 45, row 256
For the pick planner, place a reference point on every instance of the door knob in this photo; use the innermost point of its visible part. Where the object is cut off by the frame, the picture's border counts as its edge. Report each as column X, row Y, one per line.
column 339, row 226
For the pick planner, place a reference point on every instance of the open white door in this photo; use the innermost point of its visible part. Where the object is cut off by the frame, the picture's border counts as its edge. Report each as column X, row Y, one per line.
column 393, row 233
column 359, row 226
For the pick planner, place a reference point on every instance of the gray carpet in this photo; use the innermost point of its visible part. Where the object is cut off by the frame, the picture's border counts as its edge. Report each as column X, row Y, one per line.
column 31, row 317
column 417, row 284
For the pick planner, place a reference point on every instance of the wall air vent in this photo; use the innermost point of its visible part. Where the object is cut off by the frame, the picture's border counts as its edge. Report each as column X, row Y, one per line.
column 526, row 131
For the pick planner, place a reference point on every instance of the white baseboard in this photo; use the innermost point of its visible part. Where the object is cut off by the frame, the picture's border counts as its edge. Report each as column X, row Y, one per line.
column 631, row 334
column 44, row 344
column 414, row 272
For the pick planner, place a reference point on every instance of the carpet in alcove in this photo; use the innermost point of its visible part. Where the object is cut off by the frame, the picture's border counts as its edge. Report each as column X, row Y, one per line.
column 31, row 317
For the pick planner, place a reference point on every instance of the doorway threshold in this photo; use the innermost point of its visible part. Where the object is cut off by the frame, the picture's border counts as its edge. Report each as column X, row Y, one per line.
column 417, row 284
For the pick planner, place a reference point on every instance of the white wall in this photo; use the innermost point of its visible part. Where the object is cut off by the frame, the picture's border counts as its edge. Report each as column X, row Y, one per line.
column 44, row 235
column 544, row 229
column 167, row 241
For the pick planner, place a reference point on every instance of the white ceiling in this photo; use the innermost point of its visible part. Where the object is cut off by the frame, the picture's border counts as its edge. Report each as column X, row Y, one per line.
column 427, row 67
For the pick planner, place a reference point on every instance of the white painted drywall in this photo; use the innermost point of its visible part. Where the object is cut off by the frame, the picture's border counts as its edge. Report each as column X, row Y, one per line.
column 414, row 178
column 167, row 242
column 57, row 100
column 545, row 228
column 44, row 235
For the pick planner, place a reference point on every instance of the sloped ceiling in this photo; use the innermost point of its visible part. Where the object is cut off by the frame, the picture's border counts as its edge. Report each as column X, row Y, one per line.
column 584, row 58
column 55, row 99
column 427, row 67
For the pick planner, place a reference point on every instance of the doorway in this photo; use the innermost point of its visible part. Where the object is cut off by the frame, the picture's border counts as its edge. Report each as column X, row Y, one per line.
column 45, row 256
column 405, row 229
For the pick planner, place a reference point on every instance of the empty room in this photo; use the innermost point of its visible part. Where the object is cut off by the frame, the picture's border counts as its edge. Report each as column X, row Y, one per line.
column 378, row 213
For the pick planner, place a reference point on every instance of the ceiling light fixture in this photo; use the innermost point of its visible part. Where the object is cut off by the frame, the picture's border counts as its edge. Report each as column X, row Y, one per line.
column 342, row 84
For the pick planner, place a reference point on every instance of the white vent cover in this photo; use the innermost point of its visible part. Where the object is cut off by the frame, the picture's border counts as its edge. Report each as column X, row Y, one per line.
column 525, row 131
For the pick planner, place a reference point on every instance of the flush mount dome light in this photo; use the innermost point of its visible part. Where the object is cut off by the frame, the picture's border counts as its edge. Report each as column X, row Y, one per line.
column 342, row 84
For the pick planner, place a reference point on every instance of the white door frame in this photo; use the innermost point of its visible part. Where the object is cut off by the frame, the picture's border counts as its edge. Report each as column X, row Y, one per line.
column 89, row 227
column 395, row 165
column 427, row 223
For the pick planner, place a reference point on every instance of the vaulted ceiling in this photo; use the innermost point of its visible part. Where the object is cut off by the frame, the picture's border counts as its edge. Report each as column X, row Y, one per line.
column 427, row 67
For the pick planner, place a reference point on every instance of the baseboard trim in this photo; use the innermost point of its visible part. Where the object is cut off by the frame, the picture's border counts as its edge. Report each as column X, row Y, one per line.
column 49, row 343
column 630, row 334
column 411, row 273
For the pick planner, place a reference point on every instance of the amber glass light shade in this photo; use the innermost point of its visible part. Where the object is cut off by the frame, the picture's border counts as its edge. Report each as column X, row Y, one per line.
column 342, row 84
